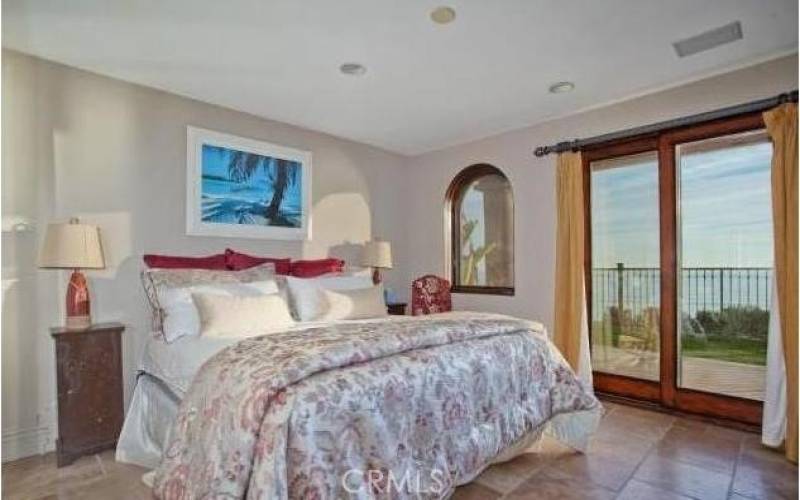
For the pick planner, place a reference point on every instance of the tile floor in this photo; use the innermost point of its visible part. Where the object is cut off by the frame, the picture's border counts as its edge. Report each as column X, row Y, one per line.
column 636, row 454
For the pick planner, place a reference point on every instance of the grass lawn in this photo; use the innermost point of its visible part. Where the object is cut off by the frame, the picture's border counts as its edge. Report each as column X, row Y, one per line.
column 723, row 347
column 737, row 350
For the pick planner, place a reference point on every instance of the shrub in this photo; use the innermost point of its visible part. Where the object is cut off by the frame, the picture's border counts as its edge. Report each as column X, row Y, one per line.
column 739, row 322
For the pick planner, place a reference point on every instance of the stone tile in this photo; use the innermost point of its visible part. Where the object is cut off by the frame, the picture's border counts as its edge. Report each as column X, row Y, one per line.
column 620, row 444
column 689, row 423
column 701, row 448
column 544, row 485
column 699, row 455
column 604, row 466
column 650, row 416
column 710, row 430
column 763, row 473
column 38, row 477
column 113, row 487
column 638, row 490
column 506, row 476
column 683, row 478
column 112, row 467
column 609, row 407
column 96, row 476
column 475, row 491
column 752, row 441
column 550, row 447
column 632, row 428
column 725, row 433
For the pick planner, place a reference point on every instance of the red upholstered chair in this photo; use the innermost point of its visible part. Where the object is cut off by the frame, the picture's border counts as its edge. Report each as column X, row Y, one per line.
column 430, row 294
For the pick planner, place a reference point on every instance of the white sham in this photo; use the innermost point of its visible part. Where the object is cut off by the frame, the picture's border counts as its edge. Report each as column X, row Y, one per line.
column 180, row 312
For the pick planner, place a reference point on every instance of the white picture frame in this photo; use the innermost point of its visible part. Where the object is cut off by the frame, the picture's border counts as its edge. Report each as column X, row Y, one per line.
column 228, row 202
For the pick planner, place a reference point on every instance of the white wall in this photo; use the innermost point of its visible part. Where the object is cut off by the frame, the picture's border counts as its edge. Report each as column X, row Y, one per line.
column 533, row 179
column 113, row 153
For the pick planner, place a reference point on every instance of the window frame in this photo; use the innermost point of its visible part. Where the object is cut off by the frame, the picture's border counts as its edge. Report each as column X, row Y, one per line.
column 453, row 200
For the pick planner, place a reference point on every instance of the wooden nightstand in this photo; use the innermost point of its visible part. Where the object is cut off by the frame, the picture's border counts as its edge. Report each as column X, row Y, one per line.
column 398, row 309
column 89, row 381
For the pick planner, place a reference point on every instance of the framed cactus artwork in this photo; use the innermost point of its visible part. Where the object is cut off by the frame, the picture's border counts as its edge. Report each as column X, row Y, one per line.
column 245, row 188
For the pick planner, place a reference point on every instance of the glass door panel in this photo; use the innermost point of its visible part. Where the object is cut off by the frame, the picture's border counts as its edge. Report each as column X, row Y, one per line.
column 724, row 263
column 625, row 275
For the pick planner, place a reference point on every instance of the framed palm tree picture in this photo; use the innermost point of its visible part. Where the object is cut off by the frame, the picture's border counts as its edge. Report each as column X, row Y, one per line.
column 244, row 188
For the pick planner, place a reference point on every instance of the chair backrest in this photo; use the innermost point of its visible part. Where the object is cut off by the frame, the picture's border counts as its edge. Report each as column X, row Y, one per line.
column 430, row 294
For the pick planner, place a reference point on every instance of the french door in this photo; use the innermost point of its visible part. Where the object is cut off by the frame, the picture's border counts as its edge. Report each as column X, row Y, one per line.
column 679, row 266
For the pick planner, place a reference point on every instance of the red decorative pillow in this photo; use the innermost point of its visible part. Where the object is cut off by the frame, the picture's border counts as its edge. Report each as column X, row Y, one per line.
column 237, row 261
column 214, row 262
column 312, row 268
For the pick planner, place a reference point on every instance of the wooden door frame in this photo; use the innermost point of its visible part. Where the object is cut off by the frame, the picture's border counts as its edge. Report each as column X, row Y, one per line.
column 631, row 387
column 666, row 392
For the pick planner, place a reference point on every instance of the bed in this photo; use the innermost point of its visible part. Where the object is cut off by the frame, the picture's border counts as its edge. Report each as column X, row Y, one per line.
column 386, row 407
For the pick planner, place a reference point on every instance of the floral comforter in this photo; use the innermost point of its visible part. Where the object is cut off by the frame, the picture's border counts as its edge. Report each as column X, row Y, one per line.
column 407, row 408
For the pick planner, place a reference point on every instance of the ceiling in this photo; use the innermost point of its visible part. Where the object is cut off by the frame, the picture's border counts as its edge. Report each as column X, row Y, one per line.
column 427, row 86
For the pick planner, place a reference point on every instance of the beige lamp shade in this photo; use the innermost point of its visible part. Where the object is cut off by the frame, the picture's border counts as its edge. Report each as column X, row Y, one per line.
column 72, row 246
column 377, row 254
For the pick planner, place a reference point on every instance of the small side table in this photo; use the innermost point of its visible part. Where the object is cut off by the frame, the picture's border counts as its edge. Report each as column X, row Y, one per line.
column 89, row 381
column 397, row 309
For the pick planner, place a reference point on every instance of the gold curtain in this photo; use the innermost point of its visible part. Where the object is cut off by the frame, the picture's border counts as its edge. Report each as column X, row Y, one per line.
column 781, row 124
column 569, row 295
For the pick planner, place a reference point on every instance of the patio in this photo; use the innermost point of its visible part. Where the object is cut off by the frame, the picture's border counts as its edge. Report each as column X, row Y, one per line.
column 710, row 375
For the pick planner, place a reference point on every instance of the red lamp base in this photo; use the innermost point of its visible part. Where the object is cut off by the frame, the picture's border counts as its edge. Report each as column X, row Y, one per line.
column 79, row 315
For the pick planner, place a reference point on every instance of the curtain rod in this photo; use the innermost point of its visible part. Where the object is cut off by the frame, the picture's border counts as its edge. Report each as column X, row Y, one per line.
column 739, row 109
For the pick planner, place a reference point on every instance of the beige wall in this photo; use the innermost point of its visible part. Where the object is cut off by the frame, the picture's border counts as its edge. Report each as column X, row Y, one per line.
column 533, row 179
column 75, row 143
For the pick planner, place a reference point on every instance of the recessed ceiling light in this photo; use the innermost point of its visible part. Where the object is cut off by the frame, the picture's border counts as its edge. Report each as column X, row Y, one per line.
column 561, row 87
column 443, row 15
column 354, row 69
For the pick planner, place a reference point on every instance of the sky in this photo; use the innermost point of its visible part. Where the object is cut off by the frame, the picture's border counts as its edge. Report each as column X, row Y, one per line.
column 724, row 206
column 258, row 186
column 216, row 160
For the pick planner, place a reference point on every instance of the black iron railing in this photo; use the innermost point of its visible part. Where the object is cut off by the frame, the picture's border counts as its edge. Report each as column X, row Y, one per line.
column 635, row 289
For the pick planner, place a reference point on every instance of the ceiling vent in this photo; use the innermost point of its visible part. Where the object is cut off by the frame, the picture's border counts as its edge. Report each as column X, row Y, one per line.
column 708, row 40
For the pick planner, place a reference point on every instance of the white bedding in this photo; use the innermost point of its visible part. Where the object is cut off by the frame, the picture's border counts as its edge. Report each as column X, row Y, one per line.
column 176, row 363
column 151, row 413
column 166, row 371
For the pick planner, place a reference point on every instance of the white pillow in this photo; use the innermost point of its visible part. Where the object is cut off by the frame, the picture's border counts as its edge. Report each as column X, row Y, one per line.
column 307, row 293
column 238, row 316
column 180, row 313
column 362, row 303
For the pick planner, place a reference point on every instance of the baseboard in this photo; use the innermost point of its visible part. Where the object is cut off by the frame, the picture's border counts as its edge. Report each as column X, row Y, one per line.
column 647, row 405
column 26, row 442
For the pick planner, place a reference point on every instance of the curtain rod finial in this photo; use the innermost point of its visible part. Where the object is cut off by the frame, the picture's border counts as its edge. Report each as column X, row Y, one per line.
column 787, row 97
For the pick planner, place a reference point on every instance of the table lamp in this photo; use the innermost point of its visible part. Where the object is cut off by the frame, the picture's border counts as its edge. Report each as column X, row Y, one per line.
column 378, row 255
column 74, row 246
